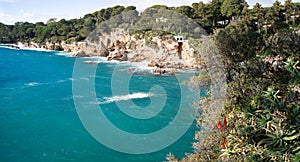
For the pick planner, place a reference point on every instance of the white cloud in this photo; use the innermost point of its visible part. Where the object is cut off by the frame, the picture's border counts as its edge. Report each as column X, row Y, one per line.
column 23, row 16
column 26, row 16
column 8, row 1
column 7, row 19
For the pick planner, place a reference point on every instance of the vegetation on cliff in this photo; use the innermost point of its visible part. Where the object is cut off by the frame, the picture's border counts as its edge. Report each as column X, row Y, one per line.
column 260, row 48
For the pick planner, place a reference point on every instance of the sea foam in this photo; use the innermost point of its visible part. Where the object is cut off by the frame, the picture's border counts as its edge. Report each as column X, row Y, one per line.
column 139, row 95
column 32, row 84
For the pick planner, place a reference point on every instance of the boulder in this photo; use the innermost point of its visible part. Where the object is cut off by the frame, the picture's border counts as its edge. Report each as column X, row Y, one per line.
column 151, row 65
column 159, row 71
column 159, row 65
column 171, row 72
column 120, row 56
column 79, row 53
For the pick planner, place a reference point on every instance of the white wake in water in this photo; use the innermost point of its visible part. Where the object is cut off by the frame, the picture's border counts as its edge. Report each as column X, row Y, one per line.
column 139, row 95
column 31, row 84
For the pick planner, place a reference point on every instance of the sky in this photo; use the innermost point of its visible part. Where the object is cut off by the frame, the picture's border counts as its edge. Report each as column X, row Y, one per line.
column 12, row 11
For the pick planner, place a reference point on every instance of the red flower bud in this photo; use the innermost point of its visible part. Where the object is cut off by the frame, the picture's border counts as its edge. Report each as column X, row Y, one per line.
column 220, row 126
column 225, row 122
column 224, row 144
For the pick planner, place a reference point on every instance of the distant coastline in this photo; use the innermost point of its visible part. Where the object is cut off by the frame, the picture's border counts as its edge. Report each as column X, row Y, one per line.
column 163, row 55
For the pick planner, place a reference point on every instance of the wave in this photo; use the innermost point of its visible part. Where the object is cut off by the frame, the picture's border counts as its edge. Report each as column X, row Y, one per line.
column 60, row 81
column 84, row 78
column 91, row 62
column 7, row 47
column 36, row 49
column 24, row 48
column 100, row 58
column 31, row 84
column 72, row 97
column 66, row 54
column 138, row 95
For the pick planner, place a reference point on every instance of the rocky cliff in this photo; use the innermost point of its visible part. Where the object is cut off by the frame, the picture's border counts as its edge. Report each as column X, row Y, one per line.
column 163, row 54
column 159, row 53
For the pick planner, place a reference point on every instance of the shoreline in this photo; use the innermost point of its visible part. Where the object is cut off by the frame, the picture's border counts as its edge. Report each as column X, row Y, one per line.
column 134, row 67
column 137, row 68
column 160, row 57
column 9, row 46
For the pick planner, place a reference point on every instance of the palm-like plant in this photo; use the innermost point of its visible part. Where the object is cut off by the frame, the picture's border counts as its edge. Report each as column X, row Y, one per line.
column 292, row 66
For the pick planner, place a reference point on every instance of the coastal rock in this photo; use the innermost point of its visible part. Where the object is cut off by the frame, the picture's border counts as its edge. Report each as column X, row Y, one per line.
column 120, row 56
column 53, row 46
column 151, row 65
column 69, row 47
column 79, row 53
column 171, row 72
column 14, row 46
column 57, row 47
column 159, row 53
column 34, row 45
column 131, row 70
column 81, row 45
column 159, row 71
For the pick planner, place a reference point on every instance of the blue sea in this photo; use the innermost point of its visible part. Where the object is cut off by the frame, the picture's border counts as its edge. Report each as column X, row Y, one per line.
column 39, row 120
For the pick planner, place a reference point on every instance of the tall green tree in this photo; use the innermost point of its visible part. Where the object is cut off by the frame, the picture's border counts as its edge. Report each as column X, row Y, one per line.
column 231, row 8
column 275, row 16
column 214, row 10
column 199, row 10
column 257, row 15
column 289, row 8
column 186, row 10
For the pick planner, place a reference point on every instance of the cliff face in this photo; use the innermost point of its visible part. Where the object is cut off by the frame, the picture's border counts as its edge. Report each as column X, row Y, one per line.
column 159, row 53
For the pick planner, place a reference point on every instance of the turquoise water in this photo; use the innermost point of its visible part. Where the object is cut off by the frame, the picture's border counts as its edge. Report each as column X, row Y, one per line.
column 39, row 121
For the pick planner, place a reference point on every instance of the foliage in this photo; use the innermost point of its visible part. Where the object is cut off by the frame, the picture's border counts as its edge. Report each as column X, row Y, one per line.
column 262, row 106
column 231, row 8
column 57, row 31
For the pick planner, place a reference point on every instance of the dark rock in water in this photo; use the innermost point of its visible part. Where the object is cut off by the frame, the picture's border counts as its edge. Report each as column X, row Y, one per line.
column 119, row 56
column 131, row 70
column 15, row 46
column 136, row 71
column 159, row 71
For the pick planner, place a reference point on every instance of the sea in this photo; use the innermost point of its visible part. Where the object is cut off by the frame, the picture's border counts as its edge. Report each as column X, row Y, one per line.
column 39, row 118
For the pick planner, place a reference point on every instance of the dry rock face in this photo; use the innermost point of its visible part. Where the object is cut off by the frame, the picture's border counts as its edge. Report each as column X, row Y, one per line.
column 160, row 54
column 53, row 46
column 69, row 47
column 163, row 54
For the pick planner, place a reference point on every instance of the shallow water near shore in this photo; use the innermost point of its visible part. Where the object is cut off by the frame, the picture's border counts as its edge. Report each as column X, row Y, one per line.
column 39, row 121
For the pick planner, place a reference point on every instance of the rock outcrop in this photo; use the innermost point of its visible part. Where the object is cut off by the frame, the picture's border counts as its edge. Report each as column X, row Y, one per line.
column 53, row 46
column 79, row 53
column 159, row 71
column 118, row 55
column 158, row 53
